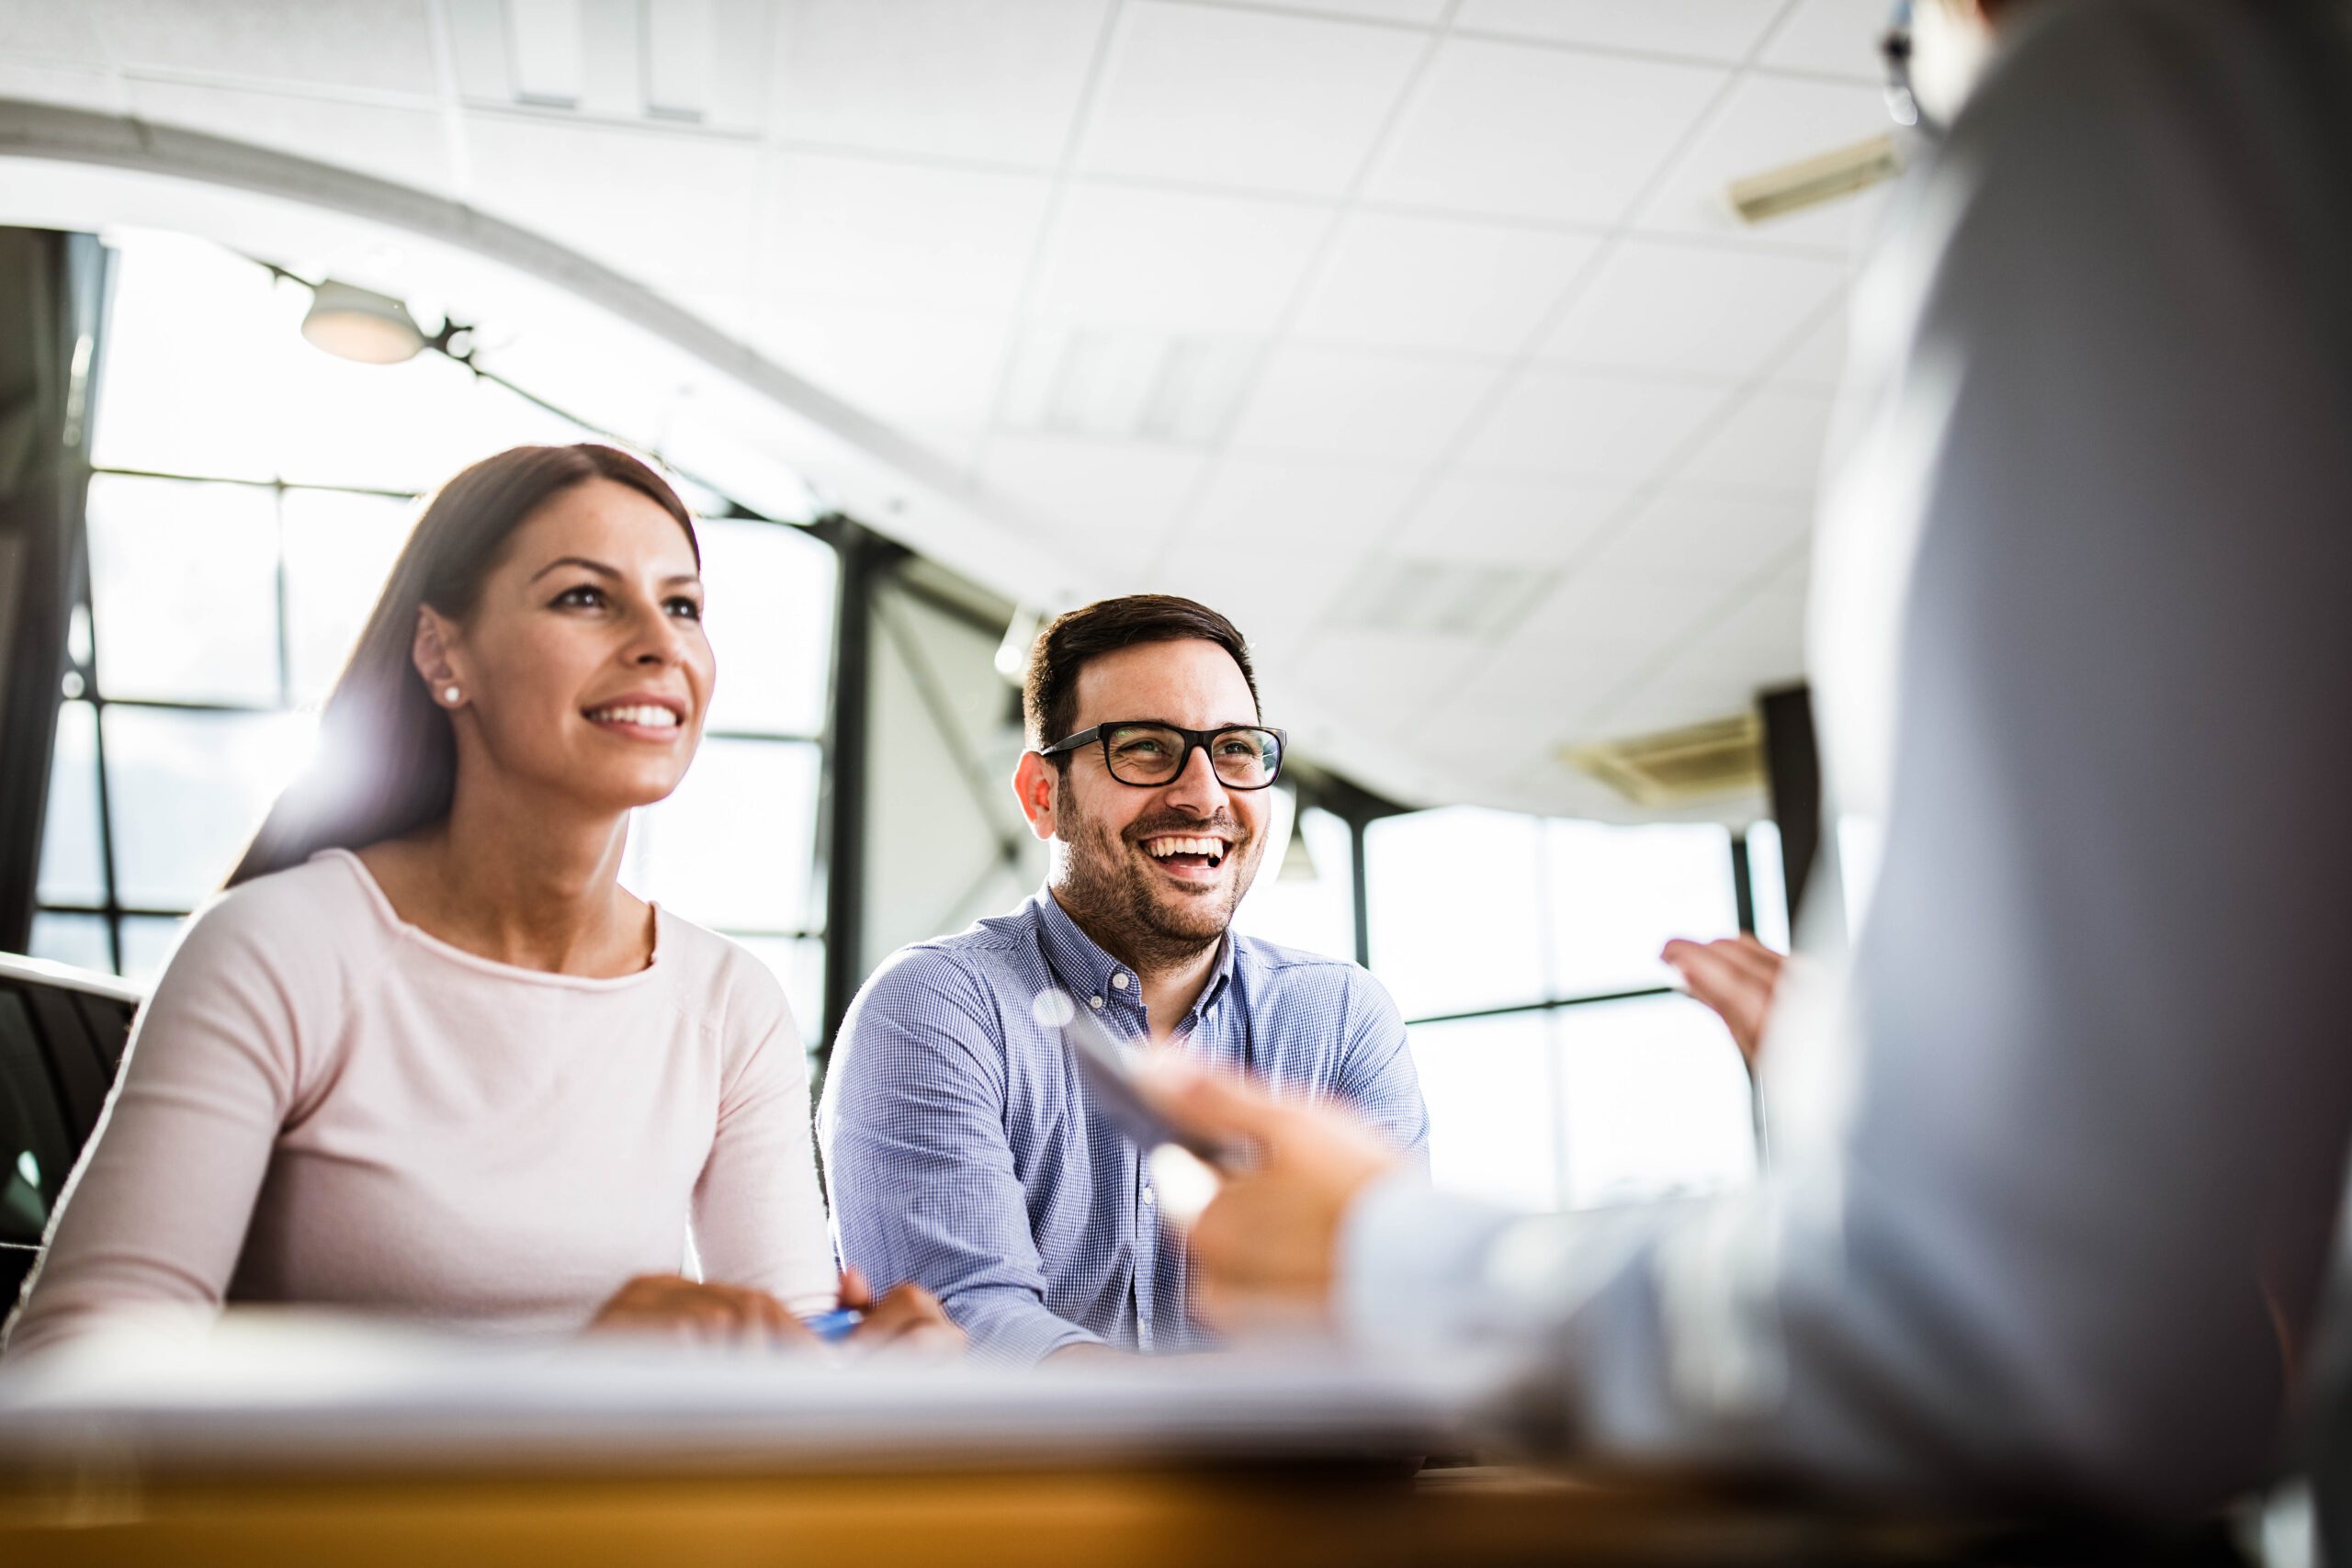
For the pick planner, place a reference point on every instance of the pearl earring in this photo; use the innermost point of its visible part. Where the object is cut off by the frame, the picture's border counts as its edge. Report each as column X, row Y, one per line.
column 450, row 695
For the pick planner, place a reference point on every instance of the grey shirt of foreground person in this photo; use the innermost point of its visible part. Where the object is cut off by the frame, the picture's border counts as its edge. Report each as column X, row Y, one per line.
column 2053, row 1224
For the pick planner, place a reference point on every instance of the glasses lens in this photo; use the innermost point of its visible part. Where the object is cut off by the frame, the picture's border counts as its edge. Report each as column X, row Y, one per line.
column 1247, row 759
column 1144, row 753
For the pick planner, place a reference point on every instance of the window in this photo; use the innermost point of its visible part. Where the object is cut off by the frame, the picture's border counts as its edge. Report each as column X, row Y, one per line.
column 248, row 503
column 1304, row 895
column 1560, row 1071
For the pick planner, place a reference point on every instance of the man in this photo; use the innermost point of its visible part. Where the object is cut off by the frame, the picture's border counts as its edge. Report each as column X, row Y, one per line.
column 2053, row 1226
column 961, row 1145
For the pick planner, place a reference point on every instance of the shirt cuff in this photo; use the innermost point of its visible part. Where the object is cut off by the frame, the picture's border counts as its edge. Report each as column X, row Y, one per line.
column 1413, row 1263
column 1017, row 1335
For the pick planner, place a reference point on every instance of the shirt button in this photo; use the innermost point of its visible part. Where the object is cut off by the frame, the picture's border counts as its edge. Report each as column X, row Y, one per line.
column 1119, row 982
column 1094, row 1001
column 1147, row 1197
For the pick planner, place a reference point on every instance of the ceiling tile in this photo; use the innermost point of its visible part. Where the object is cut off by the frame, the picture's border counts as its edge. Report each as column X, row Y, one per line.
column 1839, row 37
column 1183, row 263
column 1343, row 402
column 1567, row 422
column 1435, row 283
column 1711, row 29
column 1120, row 489
column 1368, row 676
column 1336, row 508
column 1772, row 440
column 1819, row 360
column 387, row 44
column 687, row 221
column 906, row 368
column 1690, row 531
column 1479, row 517
column 899, row 235
column 1614, row 621
column 46, row 29
column 407, row 146
column 1245, row 99
column 1701, row 310
column 1490, row 126
column 1768, row 121
column 1410, row 13
column 988, row 80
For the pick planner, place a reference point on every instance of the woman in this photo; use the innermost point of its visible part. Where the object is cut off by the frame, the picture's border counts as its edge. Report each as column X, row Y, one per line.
column 427, row 1057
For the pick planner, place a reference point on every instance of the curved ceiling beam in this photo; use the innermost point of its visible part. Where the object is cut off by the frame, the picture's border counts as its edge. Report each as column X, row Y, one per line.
column 905, row 491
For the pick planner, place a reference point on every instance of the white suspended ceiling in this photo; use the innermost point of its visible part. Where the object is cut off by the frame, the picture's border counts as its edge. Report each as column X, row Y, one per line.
column 1413, row 333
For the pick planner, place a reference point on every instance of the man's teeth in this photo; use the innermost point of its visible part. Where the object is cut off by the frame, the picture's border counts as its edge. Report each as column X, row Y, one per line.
column 1161, row 849
column 652, row 714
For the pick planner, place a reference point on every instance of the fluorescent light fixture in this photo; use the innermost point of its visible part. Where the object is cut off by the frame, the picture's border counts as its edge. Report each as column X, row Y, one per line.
column 361, row 325
column 1812, row 181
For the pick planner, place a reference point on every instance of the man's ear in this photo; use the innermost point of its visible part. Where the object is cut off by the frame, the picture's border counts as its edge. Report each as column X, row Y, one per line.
column 432, row 651
column 1035, row 783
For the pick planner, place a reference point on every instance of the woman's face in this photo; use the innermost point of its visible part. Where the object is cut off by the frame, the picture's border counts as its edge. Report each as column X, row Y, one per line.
column 583, row 669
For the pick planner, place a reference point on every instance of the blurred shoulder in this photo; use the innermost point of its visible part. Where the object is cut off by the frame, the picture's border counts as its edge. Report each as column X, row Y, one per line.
column 1295, row 972
column 324, row 908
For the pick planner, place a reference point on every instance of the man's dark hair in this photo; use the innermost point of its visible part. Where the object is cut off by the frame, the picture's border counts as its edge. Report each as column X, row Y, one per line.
column 1049, row 696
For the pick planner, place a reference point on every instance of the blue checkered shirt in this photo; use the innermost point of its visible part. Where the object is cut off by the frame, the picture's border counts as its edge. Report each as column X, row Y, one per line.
column 963, row 1152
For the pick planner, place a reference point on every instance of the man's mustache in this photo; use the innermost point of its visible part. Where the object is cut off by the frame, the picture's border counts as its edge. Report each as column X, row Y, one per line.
column 1221, row 825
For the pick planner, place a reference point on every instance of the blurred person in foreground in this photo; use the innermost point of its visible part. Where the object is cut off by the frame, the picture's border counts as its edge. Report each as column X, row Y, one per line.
column 962, row 1150
column 2052, row 1198
column 427, row 1058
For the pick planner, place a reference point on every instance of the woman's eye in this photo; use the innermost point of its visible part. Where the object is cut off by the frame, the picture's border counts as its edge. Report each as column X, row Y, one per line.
column 586, row 596
column 684, row 609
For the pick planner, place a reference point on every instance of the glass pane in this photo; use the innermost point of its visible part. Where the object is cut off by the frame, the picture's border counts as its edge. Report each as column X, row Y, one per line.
column 800, row 964
column 1493, row 1127
column 1769, row 884
column 188, row 790
column 1427, row 871
column 72, row 870
column 770, row 615
column 733, row 847
column 339, row 549
column 1654, row 1100
column 147, row 944
column 183, row 582
column 1617, row 893
column 1303, row 897
column 78, row 940
column 187, row 384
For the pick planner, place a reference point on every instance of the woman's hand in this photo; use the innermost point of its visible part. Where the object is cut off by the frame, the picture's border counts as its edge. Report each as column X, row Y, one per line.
column 907, row 1318
column 691, row 1312
column 1736, row 978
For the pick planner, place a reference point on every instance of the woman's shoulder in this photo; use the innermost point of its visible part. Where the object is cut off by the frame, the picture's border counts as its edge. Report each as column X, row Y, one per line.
column 325, row 904
column 721, row 977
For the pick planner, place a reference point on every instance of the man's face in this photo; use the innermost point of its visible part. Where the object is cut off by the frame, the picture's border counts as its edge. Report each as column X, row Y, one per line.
column 1121, row 873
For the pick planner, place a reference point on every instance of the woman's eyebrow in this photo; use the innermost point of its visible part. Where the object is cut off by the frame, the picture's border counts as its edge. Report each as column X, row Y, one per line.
column 599, row 568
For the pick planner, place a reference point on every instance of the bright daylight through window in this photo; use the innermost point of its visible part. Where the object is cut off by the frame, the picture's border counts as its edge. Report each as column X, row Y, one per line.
column 252, row 493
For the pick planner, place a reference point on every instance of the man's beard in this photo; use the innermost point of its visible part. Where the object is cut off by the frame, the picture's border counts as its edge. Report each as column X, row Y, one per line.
column 1112, row 895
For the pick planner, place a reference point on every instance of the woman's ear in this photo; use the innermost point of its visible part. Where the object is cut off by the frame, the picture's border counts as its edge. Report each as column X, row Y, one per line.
column 433, row 653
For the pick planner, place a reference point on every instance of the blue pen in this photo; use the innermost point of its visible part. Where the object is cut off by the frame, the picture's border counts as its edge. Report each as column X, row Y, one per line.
column 835, row 1324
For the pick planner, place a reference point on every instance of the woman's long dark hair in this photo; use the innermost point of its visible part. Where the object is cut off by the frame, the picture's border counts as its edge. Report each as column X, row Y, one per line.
column 388, row 759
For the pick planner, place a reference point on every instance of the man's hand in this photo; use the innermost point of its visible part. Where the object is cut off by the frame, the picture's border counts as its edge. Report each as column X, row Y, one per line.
column 907, row 1318
column 1736, row 978
column 1265, row 1250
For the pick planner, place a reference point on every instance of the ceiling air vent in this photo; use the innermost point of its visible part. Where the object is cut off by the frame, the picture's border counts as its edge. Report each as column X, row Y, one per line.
column 1679, row 767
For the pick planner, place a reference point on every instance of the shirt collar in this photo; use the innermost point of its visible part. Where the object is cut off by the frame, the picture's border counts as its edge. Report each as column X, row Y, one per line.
column 1088, row 971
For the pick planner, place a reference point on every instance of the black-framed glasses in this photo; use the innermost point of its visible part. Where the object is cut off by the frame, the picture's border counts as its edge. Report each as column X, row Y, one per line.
column 1148, row 754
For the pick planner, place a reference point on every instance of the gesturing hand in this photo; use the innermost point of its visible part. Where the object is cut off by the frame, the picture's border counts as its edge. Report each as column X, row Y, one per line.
column 907, row 1318
column 692, row 1312
column 1736, row 978
column 1265, row 1250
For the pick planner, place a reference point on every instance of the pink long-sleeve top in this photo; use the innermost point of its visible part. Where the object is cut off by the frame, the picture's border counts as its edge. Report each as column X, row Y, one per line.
column 323, row 1104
